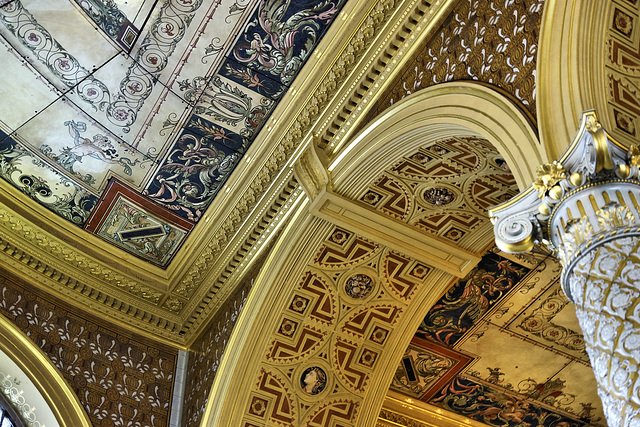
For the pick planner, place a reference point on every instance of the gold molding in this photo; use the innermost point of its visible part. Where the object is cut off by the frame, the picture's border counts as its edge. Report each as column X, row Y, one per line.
column 570, row 70
column 396, row 235
column 398, row 410
column 169, row 304
column 60, row 398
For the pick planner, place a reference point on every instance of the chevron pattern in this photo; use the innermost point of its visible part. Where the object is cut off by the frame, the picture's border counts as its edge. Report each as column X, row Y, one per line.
column 323, row 304
column 398, row 201
column 280, row 410
column 340, row 413
column 442, row 223
column 359, row 323
column 353, row 251
column 347, row 359
column 307, row 340
column 400, row 275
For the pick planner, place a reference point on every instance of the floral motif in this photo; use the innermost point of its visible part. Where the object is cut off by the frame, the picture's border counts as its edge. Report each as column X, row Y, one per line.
column 464, row 304
column 194, row 173
column 549, row 175
column 270, row 43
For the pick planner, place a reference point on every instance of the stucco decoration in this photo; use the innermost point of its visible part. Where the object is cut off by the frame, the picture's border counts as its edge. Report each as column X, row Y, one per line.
column 585, row 207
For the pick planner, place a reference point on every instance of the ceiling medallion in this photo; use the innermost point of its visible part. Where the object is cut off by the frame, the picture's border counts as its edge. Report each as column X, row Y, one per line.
column 358, row 286
column 439, row 196
column 313, row 380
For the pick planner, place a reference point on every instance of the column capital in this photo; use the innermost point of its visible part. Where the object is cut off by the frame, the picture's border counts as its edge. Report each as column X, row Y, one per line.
column 593, row 188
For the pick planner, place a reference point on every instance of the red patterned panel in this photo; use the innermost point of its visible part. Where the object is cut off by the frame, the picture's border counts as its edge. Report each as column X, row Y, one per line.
column 339, row 413
column 292, row 350
column 399, row 203
column 624, row 57
column 280, row 409
column 413, row 168
column 352, row 364
column 441, row 222
column 358, row 323
column 403, row 274
column 485, row 193
column 466, row 158
column 323, row 305
column 624, row 95
column 345, row 250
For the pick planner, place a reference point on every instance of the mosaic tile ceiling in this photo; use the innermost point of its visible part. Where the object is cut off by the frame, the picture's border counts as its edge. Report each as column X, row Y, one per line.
column 127, row 118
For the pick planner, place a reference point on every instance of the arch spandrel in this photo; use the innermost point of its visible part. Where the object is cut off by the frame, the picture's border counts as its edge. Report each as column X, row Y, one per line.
column 360, row 364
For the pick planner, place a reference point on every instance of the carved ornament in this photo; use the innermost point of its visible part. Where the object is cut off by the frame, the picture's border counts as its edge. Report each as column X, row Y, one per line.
column 591, row 189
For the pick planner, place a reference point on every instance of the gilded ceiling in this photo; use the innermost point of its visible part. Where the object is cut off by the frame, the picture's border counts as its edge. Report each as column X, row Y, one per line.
column 147, row 160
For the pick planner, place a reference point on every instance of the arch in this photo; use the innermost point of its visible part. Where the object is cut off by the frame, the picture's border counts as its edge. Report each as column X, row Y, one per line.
column 570, row 70
column 448, row 109
column 57, row 394
column 453, row 109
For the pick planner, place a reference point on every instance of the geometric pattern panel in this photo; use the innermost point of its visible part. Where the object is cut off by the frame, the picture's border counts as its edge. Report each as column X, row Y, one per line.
column 332, row 332
column 444, row 189
column 622, row 70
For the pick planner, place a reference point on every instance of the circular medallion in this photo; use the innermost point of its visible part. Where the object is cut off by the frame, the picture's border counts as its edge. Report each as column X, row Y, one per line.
column 439, row 196
column 358, row 286
column 313, row 380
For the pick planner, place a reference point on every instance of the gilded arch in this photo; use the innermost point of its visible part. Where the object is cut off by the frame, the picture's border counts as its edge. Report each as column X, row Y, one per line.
column 253, row 381
column 61, row 400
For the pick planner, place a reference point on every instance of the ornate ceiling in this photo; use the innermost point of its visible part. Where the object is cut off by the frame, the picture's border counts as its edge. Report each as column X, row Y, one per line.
column 152, row 152
column 129, row 131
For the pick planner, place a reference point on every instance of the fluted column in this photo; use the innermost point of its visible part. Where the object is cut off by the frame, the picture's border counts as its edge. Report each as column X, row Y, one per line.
column 585, row 207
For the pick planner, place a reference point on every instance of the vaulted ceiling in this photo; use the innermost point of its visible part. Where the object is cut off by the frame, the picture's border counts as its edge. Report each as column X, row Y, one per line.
column 148, row 150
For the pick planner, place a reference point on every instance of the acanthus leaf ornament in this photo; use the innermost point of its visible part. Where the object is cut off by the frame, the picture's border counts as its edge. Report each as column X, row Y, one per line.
column 549, row 175
column 592, row 222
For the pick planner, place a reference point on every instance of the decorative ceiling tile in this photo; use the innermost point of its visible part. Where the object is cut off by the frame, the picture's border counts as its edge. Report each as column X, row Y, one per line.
column 69, row 140
column 173, row 118
column 59, row 41
column 470, row 299
column 27, row 89
column 129, row 221
column 426, row 367
column 193, row 173
column 37, row 180
column 280, row 36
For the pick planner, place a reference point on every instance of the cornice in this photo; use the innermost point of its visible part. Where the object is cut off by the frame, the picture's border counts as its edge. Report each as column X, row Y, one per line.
column 370, row 43
column 398, row 410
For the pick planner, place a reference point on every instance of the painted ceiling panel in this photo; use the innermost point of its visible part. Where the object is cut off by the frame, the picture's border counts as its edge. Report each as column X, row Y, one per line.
column 169, row 112
column 513, row 325
column 27, row 89
column 58, row 41
column 70, row 141
column 26, row 171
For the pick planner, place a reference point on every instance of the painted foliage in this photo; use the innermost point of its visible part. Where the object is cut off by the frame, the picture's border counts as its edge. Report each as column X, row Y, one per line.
column 468, row 300
column 498, row 408
column 282, row 34
column 172, row 119
column 29, row 174
column 523, row 367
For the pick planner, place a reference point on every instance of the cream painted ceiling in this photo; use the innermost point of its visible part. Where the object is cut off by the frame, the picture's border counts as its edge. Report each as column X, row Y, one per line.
column 126, row 118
